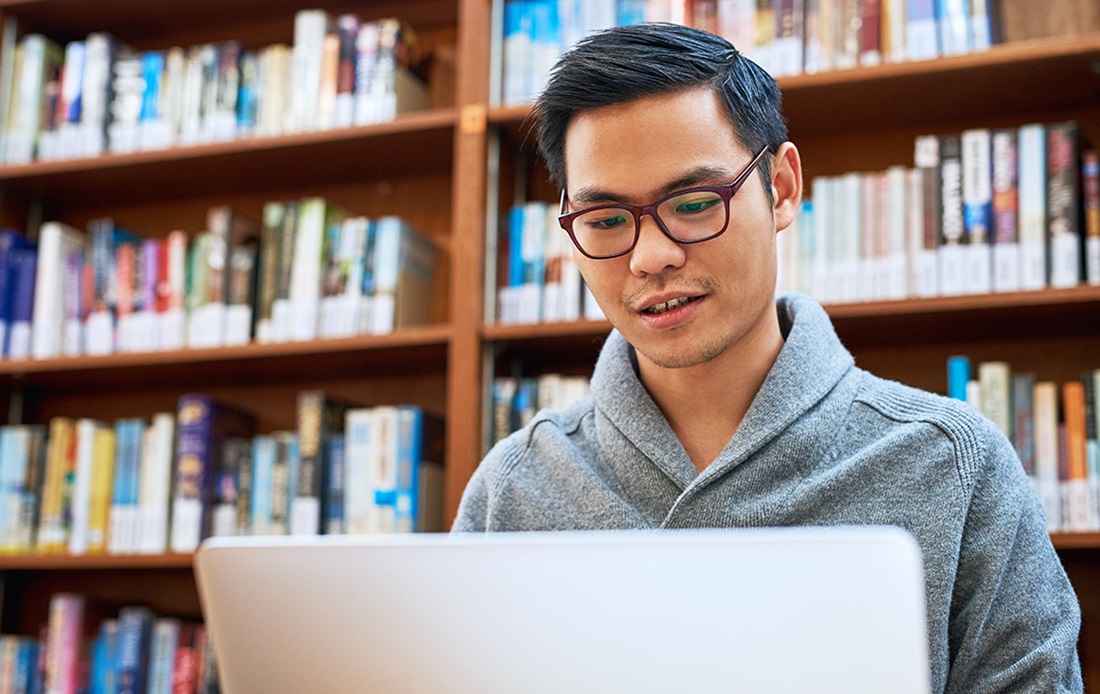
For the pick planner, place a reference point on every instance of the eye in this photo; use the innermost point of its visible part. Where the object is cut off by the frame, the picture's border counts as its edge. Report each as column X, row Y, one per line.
column 695, row 204
column 605, row 220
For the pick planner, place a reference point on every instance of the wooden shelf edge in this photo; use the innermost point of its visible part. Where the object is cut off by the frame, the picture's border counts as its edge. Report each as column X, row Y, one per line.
column 411, row 123
column 405, row 337
column 1083, row 294
column 62, row 562
column 1075, row 540
column 538, row 331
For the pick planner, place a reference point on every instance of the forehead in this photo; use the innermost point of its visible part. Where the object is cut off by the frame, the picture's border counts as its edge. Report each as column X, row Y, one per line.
column 637, row 146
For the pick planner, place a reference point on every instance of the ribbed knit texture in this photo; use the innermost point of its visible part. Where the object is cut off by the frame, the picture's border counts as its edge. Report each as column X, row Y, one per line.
column 823, row 443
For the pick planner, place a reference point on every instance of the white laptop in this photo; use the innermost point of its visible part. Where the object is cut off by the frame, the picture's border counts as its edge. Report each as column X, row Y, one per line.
column 775, row 610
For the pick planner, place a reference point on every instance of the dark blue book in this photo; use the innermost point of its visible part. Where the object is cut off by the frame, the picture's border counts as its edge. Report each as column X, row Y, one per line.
column 135, row 629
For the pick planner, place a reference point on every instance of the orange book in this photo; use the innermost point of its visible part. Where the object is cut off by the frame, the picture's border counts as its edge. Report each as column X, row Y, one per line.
column 1073, row 404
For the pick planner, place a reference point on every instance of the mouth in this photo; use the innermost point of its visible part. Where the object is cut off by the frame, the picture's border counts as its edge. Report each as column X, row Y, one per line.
column 670, row 305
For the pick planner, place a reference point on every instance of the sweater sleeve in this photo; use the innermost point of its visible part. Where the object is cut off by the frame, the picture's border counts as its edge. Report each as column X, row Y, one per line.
column 1015, row 619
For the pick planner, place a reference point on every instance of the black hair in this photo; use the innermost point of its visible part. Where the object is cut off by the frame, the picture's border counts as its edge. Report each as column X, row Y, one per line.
column 626, row 63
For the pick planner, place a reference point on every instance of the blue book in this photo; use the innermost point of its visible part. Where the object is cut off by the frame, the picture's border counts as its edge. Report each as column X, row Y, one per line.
column 103, row 675
column 334, row 490
column 17, row 343
column 958, row 375
column 123, row 530
column 152, row 67
column 630, row 12
column 135, row 626
column 25, row 674
column 263, row 464
column 10, row 242
column 162, row 655
column 418, row 494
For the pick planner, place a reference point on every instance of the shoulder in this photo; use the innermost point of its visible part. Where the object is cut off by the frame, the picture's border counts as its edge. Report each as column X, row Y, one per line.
column 973, row 441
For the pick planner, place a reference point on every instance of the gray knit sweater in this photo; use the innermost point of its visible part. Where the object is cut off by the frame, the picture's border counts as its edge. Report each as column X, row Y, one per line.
column 823, row 443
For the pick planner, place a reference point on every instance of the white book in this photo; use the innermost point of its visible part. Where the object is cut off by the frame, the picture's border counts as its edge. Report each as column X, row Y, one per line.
column 82, row 484
column 1032, row 201
column 305, row 271
column 310, row 28
column 592, row 310
column 72, row 81
column 914, row 230
column 977, row 191
column 981, row 35
column 533, row 255
column 850, row 231
column 156, row 483
column 35, row 56
column 14, row 449
column 822, row 193
column 895, row 27
column 382, row 468
column 56, row 241
column 358, row 495
column 1006, row 227
column 995, row 378
column 896, row 221
column 1045, row 415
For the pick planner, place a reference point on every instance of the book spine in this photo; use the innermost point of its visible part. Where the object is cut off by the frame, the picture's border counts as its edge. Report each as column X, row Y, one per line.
column 1063, row 197
column 1090, row 185
column 952, row 227
column 1045, row 402
column 958, row 375
column 263, row 468
column 977, row 190
column 1033, row 204
column 103, row 474
column 334, row 489
column 358, row 444
column 1006, row 232
column 1023, row 434
column 1081, row 513
column 994, row 378
column 63, row 645
column 156, row 484
column 134, row 635
column 191, row 504
column 306, row 509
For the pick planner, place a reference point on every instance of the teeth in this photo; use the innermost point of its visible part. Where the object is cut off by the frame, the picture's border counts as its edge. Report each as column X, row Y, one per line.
column 668, row 305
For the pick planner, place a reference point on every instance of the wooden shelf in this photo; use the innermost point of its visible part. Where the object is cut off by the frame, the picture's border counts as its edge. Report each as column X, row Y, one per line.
column 157, row 25
column 66, row 562
column 1076, row 541
column 414, row 143
column 409, row 350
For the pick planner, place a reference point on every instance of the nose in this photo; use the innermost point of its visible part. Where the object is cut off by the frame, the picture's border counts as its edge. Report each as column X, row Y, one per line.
column 654, row 252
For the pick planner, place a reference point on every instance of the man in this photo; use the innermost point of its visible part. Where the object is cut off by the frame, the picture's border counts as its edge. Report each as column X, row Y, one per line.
column 714, row 405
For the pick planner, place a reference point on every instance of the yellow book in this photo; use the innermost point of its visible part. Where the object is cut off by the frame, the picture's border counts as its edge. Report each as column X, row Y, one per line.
column 103, row 475
column 52, row 530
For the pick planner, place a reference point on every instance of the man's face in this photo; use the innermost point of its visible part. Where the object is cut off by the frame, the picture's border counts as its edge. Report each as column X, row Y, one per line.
column 723, row 290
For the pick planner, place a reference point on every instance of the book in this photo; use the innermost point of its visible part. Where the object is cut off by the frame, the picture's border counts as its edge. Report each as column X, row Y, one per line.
column 1063, row 198
column 103, row 472
column 155, row 484
column 10, row 242
column 977, row 192
column 201, row 422
column 334, row 485
column 103, row 665
column 54, row 509
column 170, row 325
column 18, row 345
column 26, row 535
column 358, row 446
column 403, row 273
column 1045, row 428
column 952, row 252
column 234, row 455
column 85, row 433
column 954, row 25
column 268, row 270
column 100, row 49
column 418, row 492
column 870, row 32
column 63, row 643
column 1023, row 434
column 127, row 92
column 105, row 238
column 1080, row 511
column 1005, row 194
column 1032, row 185
column 318, row 418
column 164, row 641
column 314, row 217
column 310, row 28
column 122, row 534
column 15, row 451
column 56, row 242
column 994, row 378
column 958, row 375
column 135, row 627
column 284, row 481
column 263, row 471
column 1090, row 185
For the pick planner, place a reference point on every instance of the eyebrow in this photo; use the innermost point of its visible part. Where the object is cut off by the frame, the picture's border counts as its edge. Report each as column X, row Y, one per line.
column 591, row 195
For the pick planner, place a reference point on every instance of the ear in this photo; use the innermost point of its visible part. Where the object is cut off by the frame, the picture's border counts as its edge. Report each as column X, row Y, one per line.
column 786, row 185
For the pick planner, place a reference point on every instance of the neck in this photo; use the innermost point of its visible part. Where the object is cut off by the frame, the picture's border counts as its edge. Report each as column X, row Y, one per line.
column 704, row 404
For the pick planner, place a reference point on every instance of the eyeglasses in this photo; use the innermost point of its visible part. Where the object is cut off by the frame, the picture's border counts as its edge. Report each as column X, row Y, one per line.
column 687, row 216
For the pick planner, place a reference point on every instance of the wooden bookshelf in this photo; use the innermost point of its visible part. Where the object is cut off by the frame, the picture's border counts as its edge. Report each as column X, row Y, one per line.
column 437, row 169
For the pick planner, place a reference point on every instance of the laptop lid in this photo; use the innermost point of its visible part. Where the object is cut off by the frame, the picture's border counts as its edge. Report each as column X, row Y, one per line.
column 769, row 610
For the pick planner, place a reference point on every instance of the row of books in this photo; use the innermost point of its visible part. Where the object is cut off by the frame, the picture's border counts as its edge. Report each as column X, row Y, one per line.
column 516, row 400
column 97, row 94
column 785, row 37
column 987, row 210
column 1054, row 428
column 137, row 652
column 84, row 486
column 538, row 277
column 306, row 271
